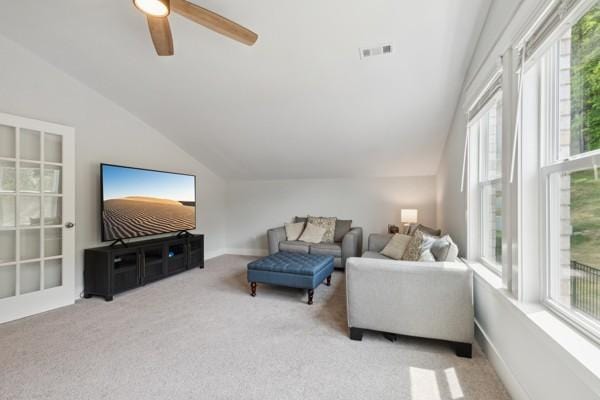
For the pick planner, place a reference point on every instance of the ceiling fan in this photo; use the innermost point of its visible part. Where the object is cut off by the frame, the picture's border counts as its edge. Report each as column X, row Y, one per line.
column 157, row 12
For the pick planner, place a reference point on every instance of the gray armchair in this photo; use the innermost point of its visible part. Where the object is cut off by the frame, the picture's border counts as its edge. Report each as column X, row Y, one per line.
column 415, row 298
column 349, row 246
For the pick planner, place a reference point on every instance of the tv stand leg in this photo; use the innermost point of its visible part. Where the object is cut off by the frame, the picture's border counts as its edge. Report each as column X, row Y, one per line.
column 108, row 298
column 116, row 242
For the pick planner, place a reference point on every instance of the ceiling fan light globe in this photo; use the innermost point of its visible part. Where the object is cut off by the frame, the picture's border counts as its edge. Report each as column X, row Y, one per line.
column 153, row 8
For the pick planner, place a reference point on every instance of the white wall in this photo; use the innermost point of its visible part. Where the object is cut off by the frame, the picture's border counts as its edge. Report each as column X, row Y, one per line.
column 531, row 363
column 104, row 132
column 255, row 206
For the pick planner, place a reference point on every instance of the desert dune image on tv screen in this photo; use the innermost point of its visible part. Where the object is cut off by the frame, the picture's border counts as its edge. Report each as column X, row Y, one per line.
column 141, row 202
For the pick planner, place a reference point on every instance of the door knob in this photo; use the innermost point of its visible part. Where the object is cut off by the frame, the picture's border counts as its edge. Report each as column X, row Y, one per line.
column 69, row 225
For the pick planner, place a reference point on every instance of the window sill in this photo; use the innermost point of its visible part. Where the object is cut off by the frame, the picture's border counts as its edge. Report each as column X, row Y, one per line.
column 579, row 353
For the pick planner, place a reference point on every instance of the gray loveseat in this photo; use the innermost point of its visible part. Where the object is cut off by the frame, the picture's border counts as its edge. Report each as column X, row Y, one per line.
column 347, row 245
column 426, row 299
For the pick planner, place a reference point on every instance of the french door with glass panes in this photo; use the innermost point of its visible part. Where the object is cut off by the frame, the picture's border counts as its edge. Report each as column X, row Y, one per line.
column 37, row 234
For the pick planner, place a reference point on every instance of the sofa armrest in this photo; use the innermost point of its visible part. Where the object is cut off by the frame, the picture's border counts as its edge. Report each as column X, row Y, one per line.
column 425, row 299
column 377, row 241
column 352, row 244
column 274, row 236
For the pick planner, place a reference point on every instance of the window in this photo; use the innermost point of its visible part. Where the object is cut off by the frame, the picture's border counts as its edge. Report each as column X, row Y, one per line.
column 570, row 171
column 485, row 171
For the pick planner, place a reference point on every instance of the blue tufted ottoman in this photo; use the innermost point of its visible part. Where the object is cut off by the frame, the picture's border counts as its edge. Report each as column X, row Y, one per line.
column 300, row 270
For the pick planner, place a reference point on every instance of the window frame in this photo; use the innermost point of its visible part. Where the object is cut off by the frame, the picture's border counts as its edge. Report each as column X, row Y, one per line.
column 580, row 162
column 551, row 165
column 478, row 181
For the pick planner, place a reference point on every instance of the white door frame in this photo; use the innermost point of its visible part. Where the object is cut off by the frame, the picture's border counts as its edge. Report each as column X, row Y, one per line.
column 20, row 306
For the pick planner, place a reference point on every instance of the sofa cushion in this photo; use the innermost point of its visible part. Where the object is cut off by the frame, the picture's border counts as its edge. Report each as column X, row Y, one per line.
column 426, row 256
column 444, row 249
column 413, row 250
column 374, row 254
column 377, row 241
column 396, row 246
column 342, row 226
column 294, row 246
column 312, row 233
column 326, row 249
column 453, row 251
column 425, row 229
column 293, row 231
column 440, row 248
column 300, row 219
column 327, row 223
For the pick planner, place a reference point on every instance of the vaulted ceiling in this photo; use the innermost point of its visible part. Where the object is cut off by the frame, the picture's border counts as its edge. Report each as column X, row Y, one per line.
column 300, row 103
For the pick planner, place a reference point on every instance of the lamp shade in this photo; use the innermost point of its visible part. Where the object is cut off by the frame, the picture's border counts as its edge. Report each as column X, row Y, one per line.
column 409, row 215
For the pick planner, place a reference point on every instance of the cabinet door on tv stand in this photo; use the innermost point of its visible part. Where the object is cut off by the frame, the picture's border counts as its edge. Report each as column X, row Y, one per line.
column 196, row 252
column 153, row 263
column 176, row 257
column 125, row 270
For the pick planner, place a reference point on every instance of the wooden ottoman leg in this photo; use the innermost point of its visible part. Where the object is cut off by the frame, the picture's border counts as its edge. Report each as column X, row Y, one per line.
column 253, row 289
column 311, row 292
column 328, row 281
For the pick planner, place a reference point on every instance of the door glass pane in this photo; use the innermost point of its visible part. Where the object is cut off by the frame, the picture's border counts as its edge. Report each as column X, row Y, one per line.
column 52, row 147
column 52, row 210
column 8, row 211
column 30, row 244
column 29, row 214
column 8, row 281
column 30, row 277
column 7, row 141
column 52, row 242
column 52, row 179
column 29, row 176
column 30, row 146
column 8, row 175
column 575, row 233
column 8, row 246
column 579, row 90
column 52, row 273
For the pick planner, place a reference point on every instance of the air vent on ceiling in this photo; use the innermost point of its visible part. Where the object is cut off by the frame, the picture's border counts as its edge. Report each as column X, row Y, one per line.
column 375, row 51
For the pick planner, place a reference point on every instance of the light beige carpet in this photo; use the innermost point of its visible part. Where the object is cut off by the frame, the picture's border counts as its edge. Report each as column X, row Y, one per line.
column 199, row 335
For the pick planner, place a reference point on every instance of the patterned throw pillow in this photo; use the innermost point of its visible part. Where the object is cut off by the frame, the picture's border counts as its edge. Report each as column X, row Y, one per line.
column 312, row 234
column 326, row 223
column 418, row 227
column 413, row 250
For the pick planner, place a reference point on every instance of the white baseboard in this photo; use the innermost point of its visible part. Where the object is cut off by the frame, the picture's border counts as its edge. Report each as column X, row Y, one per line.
column 214, row 253
column 513, row 387
column 247, row 252
column 235, row 251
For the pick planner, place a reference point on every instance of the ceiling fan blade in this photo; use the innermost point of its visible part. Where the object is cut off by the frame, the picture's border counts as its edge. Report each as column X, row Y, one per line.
column 214, row 21
column 160, row 30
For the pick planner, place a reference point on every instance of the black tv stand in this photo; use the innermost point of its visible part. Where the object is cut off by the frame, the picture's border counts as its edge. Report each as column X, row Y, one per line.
column 116, row 242
column 183, row 234
column 112, row 269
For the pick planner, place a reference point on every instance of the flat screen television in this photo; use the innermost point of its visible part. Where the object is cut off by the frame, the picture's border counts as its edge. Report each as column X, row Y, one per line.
column 140, row 202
